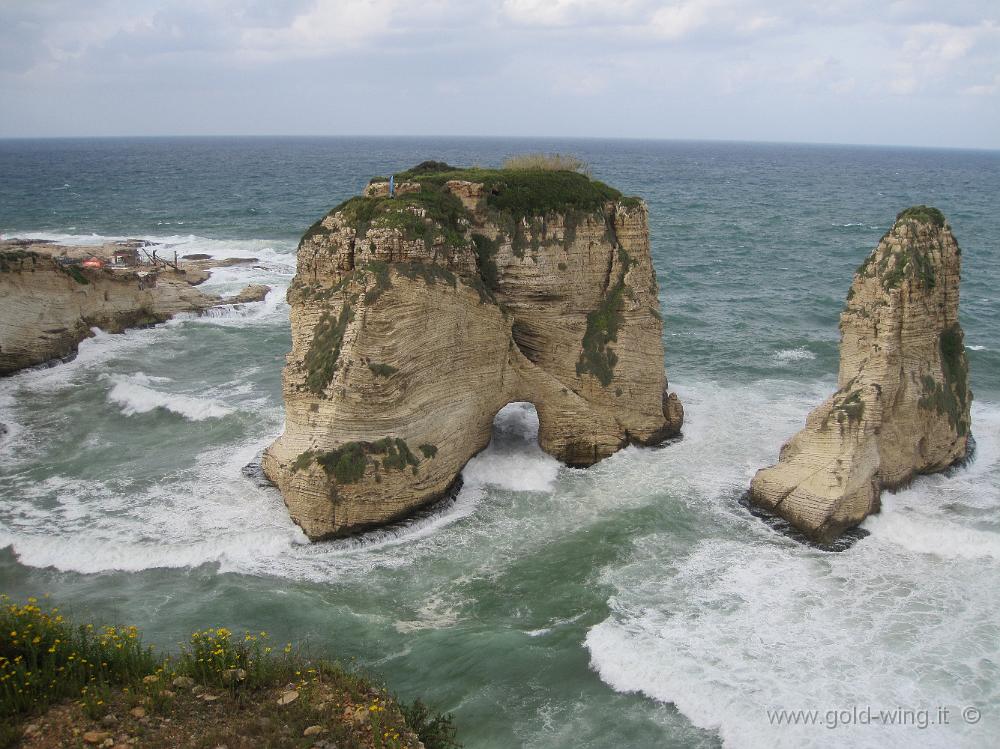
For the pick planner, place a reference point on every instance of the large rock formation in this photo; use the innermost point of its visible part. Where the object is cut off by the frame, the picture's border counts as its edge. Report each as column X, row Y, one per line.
column 903, row 399
column 415, row 319
column 48, row 304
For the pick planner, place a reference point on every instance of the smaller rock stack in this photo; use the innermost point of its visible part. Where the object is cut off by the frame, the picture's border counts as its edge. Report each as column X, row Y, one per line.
column 903, row 399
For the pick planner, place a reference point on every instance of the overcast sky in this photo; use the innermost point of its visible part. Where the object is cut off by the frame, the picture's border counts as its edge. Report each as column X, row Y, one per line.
column 910, row 72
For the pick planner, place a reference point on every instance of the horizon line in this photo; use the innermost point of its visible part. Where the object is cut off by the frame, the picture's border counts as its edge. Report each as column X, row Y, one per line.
column 734, row 141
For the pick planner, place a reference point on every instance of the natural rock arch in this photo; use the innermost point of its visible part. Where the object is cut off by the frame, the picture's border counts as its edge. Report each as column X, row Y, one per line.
column 415, row 319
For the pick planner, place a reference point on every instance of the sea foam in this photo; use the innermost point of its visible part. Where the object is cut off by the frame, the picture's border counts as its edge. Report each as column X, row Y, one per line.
column 135, row 396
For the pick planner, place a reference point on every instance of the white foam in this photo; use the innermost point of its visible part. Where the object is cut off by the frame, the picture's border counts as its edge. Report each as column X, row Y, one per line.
column 976, row 348
column 522, row 466
column 790, row 355
column 746, row 619
column 212, row 515
column 133, row 394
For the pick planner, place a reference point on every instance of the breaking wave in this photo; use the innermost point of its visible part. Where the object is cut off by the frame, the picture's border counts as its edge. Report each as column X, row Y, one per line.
column 135, row 396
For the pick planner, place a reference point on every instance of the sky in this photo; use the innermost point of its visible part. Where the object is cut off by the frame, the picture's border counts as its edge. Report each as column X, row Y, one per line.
column 910, row 72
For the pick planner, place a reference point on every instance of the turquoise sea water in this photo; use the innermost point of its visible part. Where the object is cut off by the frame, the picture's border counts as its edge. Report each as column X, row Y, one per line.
column 632, row 604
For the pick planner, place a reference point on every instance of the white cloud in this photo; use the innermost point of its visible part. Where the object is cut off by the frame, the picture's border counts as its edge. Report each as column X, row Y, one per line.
column 654, row 63
column 567, row 12
column 325, row 28
column 938, row 42
column 680, row 19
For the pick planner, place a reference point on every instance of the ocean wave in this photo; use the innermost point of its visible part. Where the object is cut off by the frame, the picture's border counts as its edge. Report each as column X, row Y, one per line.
column 856, row 225
column 135, row 396
column 748, row 620
column 211, row 515
column 791, row 355
column 710, row 609
column 515, row 462
column 976, row 348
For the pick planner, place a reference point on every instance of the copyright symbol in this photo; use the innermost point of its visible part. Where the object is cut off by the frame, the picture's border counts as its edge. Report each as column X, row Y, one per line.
column 971, row 715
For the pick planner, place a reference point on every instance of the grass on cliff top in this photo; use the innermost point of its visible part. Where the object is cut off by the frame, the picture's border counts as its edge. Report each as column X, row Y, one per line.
column 924, row 214
column 57, row 677
column 523, row 191
column 528, row 187
column 443, row 214
column 551, row 162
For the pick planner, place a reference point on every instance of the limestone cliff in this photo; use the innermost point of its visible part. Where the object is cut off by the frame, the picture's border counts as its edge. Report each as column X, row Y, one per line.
column 415, row 319
column 903, row 399
column 47, row 306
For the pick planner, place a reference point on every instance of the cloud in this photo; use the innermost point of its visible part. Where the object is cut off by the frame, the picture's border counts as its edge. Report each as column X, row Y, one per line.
column 984, row 89
column 656, row 67
column 325, row 28
column 680, row 19
column 541, row 13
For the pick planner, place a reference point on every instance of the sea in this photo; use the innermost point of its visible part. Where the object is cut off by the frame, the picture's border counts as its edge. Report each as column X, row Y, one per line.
column 636, row 603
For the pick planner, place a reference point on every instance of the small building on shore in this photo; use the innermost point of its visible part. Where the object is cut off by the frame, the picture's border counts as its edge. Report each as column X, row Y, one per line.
column 125, row 257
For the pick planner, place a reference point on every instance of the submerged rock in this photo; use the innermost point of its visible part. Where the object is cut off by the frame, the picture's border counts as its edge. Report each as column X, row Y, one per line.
column 903, row 400
column 415, row 319
column 254, row 292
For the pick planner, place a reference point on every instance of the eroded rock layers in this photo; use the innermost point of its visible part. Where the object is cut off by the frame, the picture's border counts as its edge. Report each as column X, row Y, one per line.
column 903, row 399
column 416, row 318
column 47, row 307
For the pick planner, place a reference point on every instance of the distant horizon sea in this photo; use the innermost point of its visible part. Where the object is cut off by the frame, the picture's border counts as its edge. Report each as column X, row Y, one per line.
column 635, row 603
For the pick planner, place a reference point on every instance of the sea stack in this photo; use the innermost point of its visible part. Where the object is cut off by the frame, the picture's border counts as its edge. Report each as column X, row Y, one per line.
column 903, row 399
column 416, row 316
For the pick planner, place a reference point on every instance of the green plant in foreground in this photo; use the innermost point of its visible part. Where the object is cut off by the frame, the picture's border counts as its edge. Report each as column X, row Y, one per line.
column 435, row 730
column 45, row 660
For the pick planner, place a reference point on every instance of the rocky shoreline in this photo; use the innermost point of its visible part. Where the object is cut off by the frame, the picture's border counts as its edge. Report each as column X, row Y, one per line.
column 52, row 295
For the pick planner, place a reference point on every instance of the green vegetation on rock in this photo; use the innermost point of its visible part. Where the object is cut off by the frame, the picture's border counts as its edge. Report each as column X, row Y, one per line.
column 851, row 406
column 11, row 260
column 321, row 359
column 380, row 271
column 382, row 370
column 526, row 192
column 924, row 214
column 597, row 358
column 241, row 690
column 915, row 265
column 431, row 273
column 348, row 462
column 950, row 397
column 397, row 453
column 76, row 274
column 345, row 463
column 428, row 450
column 519, row 200
column 486, row 251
